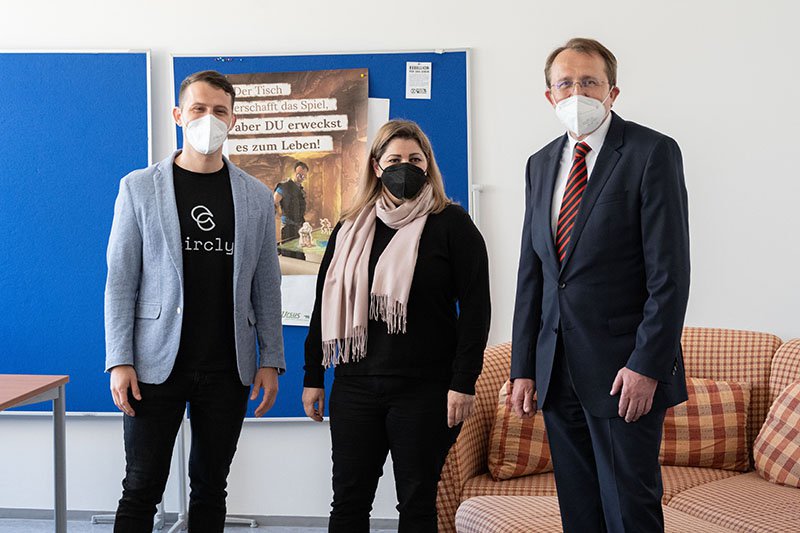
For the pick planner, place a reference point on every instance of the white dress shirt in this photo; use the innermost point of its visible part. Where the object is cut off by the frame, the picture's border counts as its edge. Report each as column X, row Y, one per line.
column 595, row 141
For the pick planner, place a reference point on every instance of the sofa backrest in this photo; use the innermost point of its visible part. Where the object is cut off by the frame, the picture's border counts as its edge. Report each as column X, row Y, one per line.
column 711, row 353
column 734, row 355
column 496, row 369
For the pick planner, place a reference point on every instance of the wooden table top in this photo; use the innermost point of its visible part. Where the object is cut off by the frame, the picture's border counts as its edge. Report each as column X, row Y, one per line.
column 16, row 388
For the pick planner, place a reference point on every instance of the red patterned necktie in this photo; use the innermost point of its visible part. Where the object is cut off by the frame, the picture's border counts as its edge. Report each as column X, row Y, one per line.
column 576, row 184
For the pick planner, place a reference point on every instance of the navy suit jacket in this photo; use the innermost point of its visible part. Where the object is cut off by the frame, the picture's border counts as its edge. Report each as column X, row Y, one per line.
column 619, row 297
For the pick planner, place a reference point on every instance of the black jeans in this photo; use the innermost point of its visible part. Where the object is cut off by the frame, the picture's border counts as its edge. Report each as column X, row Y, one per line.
column 370, row 416
column 217, row 402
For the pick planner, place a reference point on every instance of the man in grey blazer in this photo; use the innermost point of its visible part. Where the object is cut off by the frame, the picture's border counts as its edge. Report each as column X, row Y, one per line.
column 192, row 309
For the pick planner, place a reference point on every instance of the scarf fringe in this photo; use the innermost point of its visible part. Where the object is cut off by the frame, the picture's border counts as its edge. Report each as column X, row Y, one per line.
column 393, row 312
column 351, row 348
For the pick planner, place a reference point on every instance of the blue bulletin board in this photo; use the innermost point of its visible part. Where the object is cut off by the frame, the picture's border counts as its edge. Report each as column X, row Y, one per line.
column 444, row 118
column 72, row 125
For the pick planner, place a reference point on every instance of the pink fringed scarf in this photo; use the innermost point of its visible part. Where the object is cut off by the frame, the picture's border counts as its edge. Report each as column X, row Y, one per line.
column 347, row 303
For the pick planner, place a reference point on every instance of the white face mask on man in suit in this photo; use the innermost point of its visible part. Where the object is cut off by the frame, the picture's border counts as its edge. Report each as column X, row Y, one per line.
column 581, row 114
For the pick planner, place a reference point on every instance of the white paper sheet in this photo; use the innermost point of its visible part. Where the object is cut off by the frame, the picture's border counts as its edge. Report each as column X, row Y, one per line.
column 297, row 297
column 378, row 115
column 418, row 80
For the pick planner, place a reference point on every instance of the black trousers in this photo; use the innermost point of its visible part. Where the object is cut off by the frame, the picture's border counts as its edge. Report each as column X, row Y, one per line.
column 607, row 474
column 217, row 403
column 371, row 416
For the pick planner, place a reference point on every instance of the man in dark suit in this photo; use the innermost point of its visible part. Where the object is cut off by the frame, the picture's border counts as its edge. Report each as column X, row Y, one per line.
column 602, row 289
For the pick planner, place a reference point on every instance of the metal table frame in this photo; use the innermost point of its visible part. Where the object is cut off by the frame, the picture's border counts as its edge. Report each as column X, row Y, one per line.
column 28, row 389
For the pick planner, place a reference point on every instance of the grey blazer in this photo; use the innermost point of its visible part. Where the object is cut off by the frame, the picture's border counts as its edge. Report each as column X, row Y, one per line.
column 144, row 288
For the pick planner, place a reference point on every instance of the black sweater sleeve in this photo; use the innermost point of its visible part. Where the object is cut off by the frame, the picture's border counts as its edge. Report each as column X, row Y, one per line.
column 470, row 270
column 314, row 371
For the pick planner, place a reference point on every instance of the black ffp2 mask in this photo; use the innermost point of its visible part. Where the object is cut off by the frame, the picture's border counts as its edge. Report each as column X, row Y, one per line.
column 404, row 180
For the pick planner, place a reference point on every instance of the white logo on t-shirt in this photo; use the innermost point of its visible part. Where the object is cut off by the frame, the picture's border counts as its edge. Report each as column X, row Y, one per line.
column 204, row 218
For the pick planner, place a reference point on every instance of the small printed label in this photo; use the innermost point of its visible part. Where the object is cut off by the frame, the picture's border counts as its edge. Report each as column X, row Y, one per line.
column 418, row 80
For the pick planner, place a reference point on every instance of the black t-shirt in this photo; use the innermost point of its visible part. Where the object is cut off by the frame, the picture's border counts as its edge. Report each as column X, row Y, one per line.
column 448, row 311
column 205, row 210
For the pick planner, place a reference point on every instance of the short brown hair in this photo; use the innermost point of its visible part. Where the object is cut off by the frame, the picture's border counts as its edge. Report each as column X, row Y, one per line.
column 211, row 77
column 369, row 186
column 584, row 46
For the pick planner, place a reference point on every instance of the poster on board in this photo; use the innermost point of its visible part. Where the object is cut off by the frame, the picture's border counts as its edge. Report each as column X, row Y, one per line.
column 304, row 135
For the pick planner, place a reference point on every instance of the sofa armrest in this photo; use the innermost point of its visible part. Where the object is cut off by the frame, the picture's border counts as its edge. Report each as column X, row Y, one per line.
column 468, row 457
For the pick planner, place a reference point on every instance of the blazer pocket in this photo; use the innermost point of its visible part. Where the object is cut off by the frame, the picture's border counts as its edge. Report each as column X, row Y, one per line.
column 624, row 324
column 147, row 310
column 251, row 317
column 612, row 197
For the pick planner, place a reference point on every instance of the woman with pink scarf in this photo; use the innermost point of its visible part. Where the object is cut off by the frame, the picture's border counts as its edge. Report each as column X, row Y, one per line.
column 402, row 313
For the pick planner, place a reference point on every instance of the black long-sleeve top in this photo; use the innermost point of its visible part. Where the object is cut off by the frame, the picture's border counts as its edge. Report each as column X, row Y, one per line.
column 448, row 310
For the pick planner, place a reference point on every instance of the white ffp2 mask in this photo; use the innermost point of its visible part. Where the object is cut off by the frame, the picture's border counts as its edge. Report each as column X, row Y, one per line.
column 206, row 134
column 581, row 114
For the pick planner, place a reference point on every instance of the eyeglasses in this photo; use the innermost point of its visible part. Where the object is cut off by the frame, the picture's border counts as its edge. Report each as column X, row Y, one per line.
column 587, row 84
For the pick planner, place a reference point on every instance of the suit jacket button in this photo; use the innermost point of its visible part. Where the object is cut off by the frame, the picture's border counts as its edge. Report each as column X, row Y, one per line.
column 555, row 330
column 562, row 285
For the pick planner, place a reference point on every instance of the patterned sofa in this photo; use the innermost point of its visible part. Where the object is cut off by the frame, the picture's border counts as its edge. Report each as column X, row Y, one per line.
column 723, row 500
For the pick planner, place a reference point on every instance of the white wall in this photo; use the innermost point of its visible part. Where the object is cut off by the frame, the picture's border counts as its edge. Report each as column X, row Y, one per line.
column 721, row 77
column 282, row 468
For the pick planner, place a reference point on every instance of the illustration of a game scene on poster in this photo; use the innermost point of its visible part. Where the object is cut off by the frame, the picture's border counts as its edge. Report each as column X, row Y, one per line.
column 303, row 134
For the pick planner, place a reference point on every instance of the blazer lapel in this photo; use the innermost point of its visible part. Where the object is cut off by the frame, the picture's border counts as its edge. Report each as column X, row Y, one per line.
column 550, row 168
column 240, row 216
column 603, row 167
column 168, row 212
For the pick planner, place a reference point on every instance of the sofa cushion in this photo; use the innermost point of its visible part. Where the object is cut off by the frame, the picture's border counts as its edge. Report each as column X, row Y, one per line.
column 540, row 514
column 517, row 447
column 533, row 485
column 743, row 503
column 679, row 522
column 709, row 429
column 734, row 355
column 777, row 447
column 509, row 514
column 677, row 479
